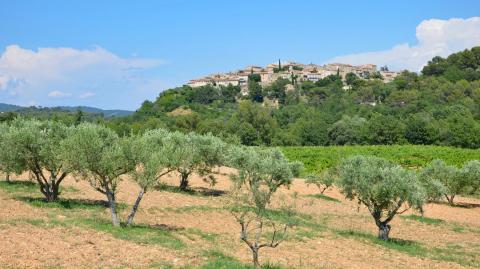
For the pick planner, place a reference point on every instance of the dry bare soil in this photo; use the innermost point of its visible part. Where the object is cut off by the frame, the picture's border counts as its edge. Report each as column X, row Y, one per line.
column 193, row 230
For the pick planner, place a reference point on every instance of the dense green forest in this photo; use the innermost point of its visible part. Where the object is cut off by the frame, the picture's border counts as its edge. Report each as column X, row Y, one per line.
column 440, row 106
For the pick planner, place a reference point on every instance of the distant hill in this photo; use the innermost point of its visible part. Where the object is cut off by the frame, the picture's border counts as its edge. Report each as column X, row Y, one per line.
column 107, row 113
column 8, row 107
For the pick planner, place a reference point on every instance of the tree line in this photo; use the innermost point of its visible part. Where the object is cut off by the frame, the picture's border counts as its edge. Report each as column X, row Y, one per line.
column 440, row 106
column 50, row 151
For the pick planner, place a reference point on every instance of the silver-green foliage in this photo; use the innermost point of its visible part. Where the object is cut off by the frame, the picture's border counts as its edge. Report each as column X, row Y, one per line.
column 260, row 173
column 35, row 146
column 324, row 180
column 384, row 188
column 6, row 165
column 448, row 181
column 151, row 162
column 99, row 156
column 470, row 173
column 193, row 153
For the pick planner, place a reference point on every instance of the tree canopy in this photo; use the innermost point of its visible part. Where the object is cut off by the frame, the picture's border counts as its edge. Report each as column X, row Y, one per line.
column 384, row 188
column 35, row 146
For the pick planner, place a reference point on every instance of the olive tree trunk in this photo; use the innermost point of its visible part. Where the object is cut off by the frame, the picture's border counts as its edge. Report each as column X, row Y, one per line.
column 450, row 199
column 135, row 207
column 51, row 192
column 113, row 207
column 383, row 231
column 256, row 263
column 7, row 178
column 184, row 181
column 50, row 187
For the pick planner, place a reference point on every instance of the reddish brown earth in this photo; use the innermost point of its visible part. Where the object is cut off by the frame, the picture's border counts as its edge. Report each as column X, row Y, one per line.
column 25, row 244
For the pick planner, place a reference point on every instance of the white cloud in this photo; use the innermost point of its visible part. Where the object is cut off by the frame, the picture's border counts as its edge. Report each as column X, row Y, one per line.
column 57, row 63
column 8, row 82
column 59, row 94
column 31, row 74
column 4, row 81
column 86, row 95
column 435, row 38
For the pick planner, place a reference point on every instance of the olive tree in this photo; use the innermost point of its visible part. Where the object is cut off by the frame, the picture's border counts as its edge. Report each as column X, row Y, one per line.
column 260, row 174
column 384, row 188
column 193, row 153
column 151, row 159
column 34, row 146
column 324, row 180
column 448, row 176
column 470, row 173
column 99, row 156
column 5, row 156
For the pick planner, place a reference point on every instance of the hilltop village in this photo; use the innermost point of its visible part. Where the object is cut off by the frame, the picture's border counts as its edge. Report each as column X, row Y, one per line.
column 293, row 71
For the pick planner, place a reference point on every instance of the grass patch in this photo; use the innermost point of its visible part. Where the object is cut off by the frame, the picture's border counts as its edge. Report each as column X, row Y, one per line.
column 302, row 234
column 324, row 197
column 19, row 186
column 91, row 214
column 405, row 246
column 69, row 189
column 161, row 265
column 458, row 229
column 186, row 209
column 218, row 260
column 142, row 234
column 211, row 237
column 429, row 221
column 455, row 254
column 68, row 203
column 34, row 222
column 412, row 248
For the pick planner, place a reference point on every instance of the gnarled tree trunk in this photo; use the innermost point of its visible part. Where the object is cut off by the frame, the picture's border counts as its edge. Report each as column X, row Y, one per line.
column 450, row 199
column 7, row 178
column 51, row 192
column 49, row 185
column 135, row 207
column 383, row 231
column 184, row 181
column 256, row 263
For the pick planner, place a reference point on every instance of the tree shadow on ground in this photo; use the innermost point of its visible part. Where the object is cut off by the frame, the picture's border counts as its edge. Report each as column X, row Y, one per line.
column 466, row 205
column 65, row 203
column 324, row 197
column 459, row 204
column 159, row 226
column 391, row 242
column 19, row 183
column 196, row 191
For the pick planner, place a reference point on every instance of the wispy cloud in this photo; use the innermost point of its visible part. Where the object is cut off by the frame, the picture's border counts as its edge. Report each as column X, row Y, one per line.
column 86, row 95
column 59, row 94
column 435, row 38
column 28, row 74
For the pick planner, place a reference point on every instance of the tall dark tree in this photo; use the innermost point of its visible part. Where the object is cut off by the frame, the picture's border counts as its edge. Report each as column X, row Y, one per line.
column 255, row 92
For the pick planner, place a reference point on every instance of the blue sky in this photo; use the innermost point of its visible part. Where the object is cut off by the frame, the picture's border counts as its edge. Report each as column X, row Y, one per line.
column 115, row 54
